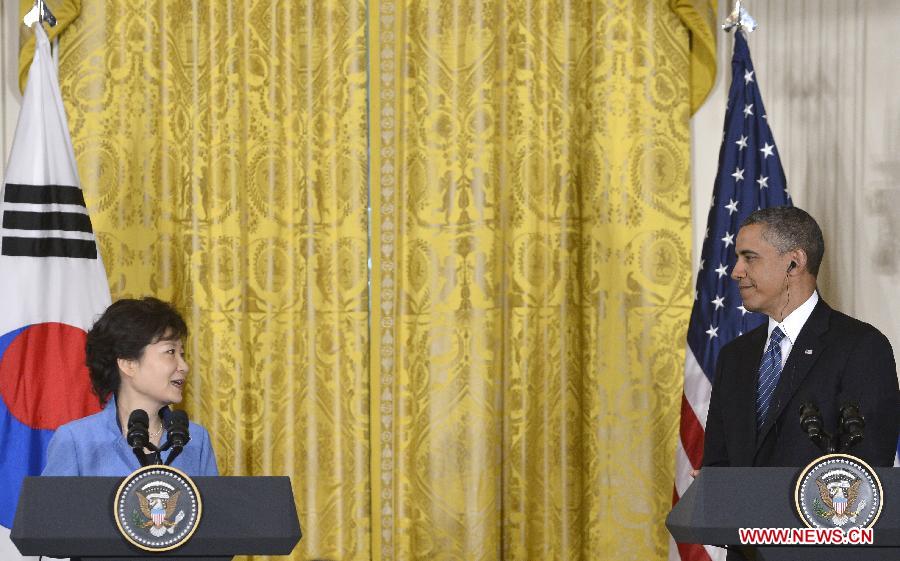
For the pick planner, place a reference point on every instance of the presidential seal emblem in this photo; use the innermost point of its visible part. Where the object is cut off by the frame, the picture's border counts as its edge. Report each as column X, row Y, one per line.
column 157, row 508
column 838, row 491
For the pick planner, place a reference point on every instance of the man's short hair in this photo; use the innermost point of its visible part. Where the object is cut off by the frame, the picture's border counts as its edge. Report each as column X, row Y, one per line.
column 788, row 228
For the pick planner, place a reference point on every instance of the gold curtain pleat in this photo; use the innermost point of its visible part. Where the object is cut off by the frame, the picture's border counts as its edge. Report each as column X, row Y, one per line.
column 531, row 276
column 699, row 16
column 222, row 150
column 510, row 390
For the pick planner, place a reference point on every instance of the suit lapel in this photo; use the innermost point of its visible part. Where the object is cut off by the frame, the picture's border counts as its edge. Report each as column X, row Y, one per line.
column 804, row 353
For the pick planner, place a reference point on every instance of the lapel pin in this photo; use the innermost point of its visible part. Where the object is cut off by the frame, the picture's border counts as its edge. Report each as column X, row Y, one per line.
column 808, row 351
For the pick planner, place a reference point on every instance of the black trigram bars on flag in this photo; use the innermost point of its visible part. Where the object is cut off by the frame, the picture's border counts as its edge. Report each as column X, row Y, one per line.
column 33, row 209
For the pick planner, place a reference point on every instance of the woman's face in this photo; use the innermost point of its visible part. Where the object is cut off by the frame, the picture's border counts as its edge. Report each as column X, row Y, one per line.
column 159, row 375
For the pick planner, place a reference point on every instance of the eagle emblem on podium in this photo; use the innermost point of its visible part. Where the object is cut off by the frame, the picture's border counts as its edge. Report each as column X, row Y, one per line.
column 159, row 507
column 839, row 491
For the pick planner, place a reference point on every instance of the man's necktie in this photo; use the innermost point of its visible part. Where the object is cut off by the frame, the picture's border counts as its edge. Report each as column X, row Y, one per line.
column 769, row 373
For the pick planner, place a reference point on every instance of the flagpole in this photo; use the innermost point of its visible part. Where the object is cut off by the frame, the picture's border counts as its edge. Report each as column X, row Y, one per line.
column 747, row 178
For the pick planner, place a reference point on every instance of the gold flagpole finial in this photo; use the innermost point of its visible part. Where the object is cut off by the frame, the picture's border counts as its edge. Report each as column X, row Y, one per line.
column 740, row 18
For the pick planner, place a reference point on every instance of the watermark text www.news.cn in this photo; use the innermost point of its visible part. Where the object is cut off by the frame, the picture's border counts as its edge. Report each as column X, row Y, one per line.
column 806, row 536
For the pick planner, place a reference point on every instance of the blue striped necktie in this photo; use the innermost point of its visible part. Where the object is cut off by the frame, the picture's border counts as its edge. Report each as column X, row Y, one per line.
column 769, row 373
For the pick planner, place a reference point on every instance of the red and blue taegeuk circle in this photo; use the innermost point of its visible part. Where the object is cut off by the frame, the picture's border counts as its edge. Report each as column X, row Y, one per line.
column 44, row 383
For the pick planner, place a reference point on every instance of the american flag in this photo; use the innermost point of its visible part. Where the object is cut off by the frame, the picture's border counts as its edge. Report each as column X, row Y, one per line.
column 750, row 176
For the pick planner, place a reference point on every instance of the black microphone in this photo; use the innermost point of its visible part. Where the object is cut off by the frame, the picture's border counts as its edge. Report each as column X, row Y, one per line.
column 851, row 424
column 811, row 424
column 177, row 426
column 138, row 436
column 138, row 429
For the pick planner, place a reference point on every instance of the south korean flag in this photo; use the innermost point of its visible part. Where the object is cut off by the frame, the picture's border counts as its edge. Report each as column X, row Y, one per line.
column 52, row 287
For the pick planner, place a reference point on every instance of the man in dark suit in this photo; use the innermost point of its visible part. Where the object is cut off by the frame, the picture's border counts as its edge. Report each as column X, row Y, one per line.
column 806, row 353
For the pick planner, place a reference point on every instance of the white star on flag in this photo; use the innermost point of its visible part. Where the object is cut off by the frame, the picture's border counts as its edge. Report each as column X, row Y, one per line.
column 763, row 181
column 748, row 110
column 767, row 150
column 738, row 174
column 741, row 142
column 712, row 331
column 748, row 76
column 742, row 309
column 731, row 206
column 722, row 270
column 719, row 302
column 728, row 239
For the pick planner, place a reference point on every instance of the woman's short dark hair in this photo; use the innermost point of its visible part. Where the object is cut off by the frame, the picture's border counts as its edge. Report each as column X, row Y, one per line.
column 124, row 329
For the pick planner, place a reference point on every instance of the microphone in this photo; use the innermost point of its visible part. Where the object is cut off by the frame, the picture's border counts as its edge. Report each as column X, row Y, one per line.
column 177, row 427
column 811, row 424
column 138, row 436
column 138, row 429
column 852, row 424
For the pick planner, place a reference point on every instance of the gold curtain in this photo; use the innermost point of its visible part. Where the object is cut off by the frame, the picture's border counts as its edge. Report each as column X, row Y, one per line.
column 511, row 391
column 531, row 274
column 222, row 150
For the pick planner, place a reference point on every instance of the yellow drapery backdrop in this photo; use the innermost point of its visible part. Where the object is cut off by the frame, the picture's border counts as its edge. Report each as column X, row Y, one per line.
column 531, row 274
column 510, row 389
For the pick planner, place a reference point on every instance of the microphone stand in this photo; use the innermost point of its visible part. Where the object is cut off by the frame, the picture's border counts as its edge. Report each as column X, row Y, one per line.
column 850, row 428
column 176, row 450
column 142, row 458
column 851, row 425
column 138, row 438
column 811, row 424
column 177, row 436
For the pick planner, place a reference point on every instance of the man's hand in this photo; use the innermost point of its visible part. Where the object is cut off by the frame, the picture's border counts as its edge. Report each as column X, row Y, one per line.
column 695, row 473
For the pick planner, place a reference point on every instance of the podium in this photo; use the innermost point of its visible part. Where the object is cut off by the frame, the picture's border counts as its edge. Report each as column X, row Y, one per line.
column 721, row 500
column 73, row 517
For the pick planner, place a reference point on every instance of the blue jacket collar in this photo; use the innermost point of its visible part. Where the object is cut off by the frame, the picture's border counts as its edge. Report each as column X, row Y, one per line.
column 114, row 430
column 111, row 416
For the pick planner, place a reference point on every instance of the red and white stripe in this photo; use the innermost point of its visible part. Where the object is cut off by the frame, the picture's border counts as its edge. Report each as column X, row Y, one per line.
column 689, row 453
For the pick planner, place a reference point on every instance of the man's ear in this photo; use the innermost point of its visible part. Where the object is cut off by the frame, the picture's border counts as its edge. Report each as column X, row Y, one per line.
column 798, row 256
column 127, row 366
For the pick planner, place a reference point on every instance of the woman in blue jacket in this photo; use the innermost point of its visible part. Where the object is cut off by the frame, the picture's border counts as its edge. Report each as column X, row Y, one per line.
column 135, row 356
